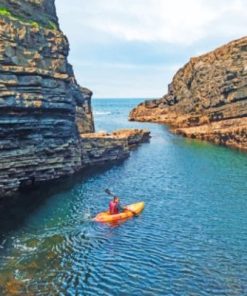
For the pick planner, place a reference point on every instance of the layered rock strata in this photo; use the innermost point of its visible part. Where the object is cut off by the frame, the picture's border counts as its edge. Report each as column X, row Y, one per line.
column 100, row 148
column 42, row 108
column 43, row 111
column 207, row 98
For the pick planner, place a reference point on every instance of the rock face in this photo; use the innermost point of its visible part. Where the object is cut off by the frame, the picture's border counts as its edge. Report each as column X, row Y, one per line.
column 207, row 98
column 43, row 111
column 42, row 108
column 100, row 148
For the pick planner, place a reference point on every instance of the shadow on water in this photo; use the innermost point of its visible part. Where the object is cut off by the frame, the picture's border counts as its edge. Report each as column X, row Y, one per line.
column 15, row 210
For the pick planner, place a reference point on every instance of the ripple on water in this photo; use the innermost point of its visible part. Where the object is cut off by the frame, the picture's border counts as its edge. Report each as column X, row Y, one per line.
column 191, row 238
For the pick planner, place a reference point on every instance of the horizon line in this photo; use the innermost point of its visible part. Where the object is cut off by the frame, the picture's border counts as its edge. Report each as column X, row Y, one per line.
column 122, row 98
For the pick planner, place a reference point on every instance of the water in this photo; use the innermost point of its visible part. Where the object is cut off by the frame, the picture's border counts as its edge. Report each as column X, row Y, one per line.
column 190, row 240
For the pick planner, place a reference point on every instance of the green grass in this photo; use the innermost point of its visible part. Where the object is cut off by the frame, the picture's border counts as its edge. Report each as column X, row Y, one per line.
column 4, row 11
column 34, row 24
column 7, row 13
column 52, row 25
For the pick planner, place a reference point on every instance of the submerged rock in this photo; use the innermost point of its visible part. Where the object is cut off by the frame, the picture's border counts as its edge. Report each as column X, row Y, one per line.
column 207, row 98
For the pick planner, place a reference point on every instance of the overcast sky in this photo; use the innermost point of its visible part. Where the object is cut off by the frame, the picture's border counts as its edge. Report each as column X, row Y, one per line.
column 132, row 48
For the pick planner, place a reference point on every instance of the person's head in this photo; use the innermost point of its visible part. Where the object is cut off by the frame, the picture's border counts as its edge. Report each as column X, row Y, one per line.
column 116, row 199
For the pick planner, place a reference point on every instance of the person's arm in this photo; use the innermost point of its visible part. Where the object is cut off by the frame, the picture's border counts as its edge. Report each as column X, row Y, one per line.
column 120, row 208
column 134, row 213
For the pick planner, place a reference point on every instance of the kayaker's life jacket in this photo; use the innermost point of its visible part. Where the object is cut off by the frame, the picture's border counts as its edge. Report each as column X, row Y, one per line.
column 113, row 208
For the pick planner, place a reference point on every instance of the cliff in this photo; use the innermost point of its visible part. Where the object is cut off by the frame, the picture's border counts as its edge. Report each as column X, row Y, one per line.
column 207, row 98
column 43, row 111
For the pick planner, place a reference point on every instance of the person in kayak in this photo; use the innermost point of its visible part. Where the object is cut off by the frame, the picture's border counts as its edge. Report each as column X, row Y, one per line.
column 114, row 206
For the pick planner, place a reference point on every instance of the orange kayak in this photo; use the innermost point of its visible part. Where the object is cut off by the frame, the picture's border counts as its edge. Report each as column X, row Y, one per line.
column 105, row 217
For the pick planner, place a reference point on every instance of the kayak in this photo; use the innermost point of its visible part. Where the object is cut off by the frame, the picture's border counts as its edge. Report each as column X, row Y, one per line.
column 105, row 217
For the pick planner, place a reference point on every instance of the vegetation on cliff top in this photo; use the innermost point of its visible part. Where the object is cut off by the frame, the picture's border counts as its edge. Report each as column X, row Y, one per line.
column 7, row 13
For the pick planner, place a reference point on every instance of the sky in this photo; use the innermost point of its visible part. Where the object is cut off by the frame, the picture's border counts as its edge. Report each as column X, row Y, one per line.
column 133, row 48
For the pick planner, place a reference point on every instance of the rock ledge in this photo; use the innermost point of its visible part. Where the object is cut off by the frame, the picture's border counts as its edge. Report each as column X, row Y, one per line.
column 207, row 98
column 101, row 148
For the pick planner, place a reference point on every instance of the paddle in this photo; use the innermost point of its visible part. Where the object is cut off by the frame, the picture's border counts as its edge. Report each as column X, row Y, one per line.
column 107, row 191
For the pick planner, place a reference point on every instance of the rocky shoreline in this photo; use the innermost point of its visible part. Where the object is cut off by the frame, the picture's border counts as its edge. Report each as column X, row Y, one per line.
column 44, row 112
column 102, row 148
column 207, row 98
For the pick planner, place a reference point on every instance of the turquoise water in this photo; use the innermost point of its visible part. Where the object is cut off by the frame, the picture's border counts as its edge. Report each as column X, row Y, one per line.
column 190, row 240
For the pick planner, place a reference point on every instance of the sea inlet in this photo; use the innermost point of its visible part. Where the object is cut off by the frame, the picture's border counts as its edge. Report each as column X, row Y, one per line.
column 191, row 238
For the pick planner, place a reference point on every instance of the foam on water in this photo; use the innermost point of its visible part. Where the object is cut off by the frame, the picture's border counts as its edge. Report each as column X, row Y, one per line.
column 101, row 113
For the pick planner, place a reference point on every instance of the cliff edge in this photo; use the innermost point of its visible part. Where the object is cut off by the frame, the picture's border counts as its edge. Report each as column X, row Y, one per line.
column 43, row 110
column 207, row 98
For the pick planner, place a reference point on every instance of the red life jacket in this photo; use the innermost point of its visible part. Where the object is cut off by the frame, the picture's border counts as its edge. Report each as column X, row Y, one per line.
column 113, row 207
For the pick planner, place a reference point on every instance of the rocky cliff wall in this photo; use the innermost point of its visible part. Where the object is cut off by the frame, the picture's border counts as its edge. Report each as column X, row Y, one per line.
column 42, row 108
column 41, row 11
column 46, row 120
column 207, row 98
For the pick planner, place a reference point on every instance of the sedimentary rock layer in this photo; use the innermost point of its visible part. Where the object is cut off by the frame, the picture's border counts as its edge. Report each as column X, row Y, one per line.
column 100, row 148
column 46, row 121
column 42, row 108
column 207, row 98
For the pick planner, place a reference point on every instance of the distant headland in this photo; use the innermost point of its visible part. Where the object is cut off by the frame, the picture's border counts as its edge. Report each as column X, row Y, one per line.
column 207, row 98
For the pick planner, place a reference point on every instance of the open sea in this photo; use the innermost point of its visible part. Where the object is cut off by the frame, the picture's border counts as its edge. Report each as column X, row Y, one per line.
column 191, row 238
